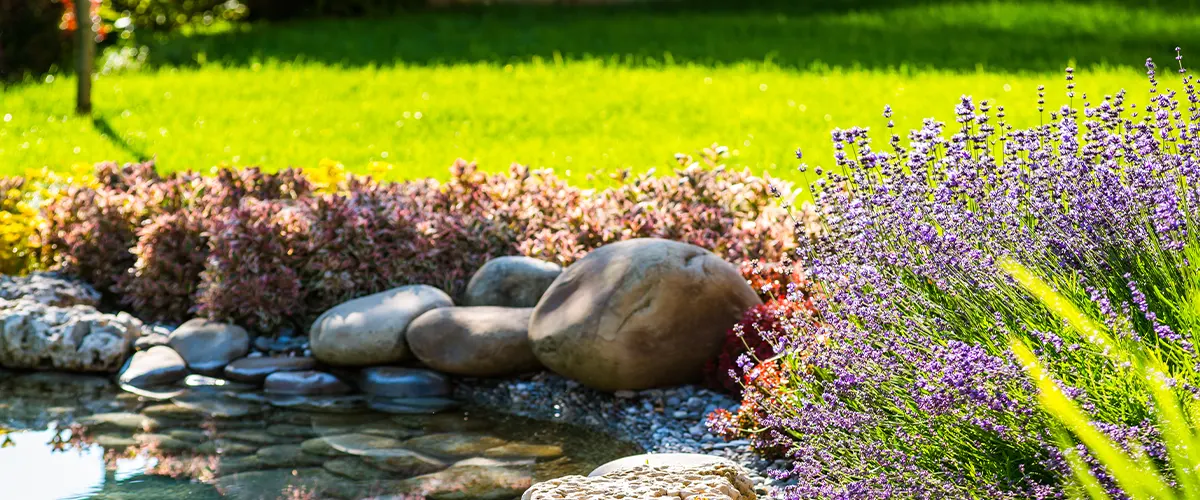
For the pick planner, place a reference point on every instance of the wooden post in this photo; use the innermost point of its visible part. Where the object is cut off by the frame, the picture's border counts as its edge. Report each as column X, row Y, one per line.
column 85, row 54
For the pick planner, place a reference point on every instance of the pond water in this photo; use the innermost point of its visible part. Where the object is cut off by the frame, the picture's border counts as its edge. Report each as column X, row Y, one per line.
column 80, row 437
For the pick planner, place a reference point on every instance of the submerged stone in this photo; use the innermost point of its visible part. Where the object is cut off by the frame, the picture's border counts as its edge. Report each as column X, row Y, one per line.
column 453, row 444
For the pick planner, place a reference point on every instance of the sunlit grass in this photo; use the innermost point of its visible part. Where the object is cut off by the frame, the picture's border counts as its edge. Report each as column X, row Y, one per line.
column 582, row 90
column 576, row 117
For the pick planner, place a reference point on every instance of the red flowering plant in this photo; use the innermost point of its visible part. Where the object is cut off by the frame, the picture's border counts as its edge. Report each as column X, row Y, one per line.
column 69, row 22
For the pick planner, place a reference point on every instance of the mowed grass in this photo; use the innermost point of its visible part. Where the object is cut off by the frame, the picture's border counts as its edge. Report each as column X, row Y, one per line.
column 583, row 91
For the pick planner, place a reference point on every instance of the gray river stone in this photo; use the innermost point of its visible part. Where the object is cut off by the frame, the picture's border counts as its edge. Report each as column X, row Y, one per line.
column 398, row 382
column 159, row 365
column 207, row 346
column 256, row 370
column 305, row 383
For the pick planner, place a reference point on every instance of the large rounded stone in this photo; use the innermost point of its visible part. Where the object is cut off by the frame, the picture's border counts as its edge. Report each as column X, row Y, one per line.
column 638, row 314
column 510, row 282
column 207, row 346
column 158, row 365
column 370, row 330
column 255, row 370
column 305, row 383
column 397, row 382
column 474, row 341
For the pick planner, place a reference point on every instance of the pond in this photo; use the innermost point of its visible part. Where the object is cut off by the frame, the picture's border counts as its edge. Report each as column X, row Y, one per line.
column 81, row 437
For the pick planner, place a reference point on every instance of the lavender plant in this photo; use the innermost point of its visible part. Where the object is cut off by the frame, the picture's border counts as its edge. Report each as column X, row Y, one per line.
column 906, row 386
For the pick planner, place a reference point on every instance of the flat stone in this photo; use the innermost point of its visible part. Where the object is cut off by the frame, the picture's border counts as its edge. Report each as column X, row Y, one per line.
column 406, row 463
column 207, row 346
column 412, row 406
column 355, row 468
column 287, row 455
column 398, row 382
column 163, row 442
column 519, row 462
column 115, row 442
column 359, row 444
column 225, row 447
column 256, row 370
column 159, row 365
column 517, row 450
column 188, row 435
column 320, row 446
column 217, row 406
column 305, row 383
column 226, row 465
column 323, row 404
column 253, row 436
column 267, row 484
column 471, row 482
column 122, row 421
column 291, row 430
column 172, row 411
column 453, row 444
column 387, row 429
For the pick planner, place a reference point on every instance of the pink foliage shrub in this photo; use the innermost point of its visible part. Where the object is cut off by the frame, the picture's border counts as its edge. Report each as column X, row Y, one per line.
column 266, row 250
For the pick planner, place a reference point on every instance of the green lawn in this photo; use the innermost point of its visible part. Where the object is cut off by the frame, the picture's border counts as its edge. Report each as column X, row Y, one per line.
column 581, row 90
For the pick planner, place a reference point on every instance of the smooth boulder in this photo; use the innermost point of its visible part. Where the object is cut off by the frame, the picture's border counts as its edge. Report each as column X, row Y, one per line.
column 158, row 365
column 207, row 346
column 256, row 370
column 474, row 341
column 638, row 314
column 510, row 282
column 370, row 330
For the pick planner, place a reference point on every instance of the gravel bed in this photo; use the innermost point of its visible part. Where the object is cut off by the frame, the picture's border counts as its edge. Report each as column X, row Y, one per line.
column 659, row 420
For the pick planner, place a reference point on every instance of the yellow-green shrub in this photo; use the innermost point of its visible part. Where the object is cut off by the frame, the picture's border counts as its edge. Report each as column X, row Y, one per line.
column 20, row 216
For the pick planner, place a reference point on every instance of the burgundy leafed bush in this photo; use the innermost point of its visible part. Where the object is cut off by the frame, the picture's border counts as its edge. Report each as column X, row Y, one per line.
column 266, row 250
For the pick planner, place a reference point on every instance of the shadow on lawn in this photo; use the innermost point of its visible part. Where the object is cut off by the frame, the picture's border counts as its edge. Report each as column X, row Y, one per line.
column 920, row 34
column 103, row 128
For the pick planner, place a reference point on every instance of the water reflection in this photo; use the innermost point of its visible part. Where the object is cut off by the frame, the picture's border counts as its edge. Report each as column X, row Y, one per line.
column 70, row 437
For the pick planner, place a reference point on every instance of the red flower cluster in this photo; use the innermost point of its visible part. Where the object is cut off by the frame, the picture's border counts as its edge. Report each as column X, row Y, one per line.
column 68, row 22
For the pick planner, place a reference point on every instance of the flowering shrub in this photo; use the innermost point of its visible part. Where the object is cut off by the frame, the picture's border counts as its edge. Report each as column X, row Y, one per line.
column 915, row 392
column 268, row 250
column 747, row 343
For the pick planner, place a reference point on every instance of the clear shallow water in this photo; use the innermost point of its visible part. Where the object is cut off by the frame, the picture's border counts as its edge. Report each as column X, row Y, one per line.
column 77, row 437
